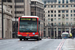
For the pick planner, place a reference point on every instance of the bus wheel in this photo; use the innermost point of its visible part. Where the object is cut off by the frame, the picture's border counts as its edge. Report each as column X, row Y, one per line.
column 20, row 39
column 40, row 38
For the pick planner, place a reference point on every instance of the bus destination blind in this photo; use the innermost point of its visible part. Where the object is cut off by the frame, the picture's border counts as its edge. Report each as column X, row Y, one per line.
column 28, row 19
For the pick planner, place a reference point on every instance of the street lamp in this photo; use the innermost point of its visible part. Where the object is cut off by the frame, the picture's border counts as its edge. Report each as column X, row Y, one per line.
column 15, row 21
column 2, row 19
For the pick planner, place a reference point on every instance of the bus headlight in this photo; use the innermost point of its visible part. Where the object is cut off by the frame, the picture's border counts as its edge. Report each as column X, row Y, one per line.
column 33, row 33
column 19, row 35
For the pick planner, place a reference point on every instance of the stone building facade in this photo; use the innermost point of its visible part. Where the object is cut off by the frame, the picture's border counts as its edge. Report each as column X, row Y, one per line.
column 7, row 22
column 37, row 8
column 18, row 8
column 59, row 17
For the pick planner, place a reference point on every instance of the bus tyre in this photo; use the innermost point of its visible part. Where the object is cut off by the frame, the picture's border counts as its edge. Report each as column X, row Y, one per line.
column 40, row 38
column 20, row 39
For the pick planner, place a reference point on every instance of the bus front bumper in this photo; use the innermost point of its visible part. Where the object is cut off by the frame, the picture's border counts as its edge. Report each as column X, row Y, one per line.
column 27, row 37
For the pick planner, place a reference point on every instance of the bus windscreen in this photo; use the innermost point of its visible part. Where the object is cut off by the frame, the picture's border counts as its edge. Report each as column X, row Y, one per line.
column 28, row 25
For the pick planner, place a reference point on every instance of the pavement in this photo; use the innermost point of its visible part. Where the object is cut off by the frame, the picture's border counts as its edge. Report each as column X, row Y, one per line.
column 69, row 44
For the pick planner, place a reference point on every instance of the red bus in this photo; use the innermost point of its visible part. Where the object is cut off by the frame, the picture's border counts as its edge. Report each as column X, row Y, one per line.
column 30, row 27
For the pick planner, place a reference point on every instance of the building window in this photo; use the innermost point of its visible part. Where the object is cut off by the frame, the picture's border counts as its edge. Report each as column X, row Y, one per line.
column 71, row 15
column 44, row 6
column 48, row 1
column 54, row 11
column 66, row 23
column 55, row 19
column 32, row 13
column 59, row 29
column 45, row 2
column 54, row 23
column 58, row 11
column 66, row 19
column 51, row 11
column 74, row 11
column 48, row 15
column 66, row 11
column 66, row 15
column 19, row 12
column 4, row 0
column 66, row 5
column 63, row 11
column 59, row 1
column 48, row 19
column 19, row 0
column 33, row 2
column 66, row 1
column 58, row 15
column 9, row 1
column 74, row 5
column 62, row 1
column 71, row 18
column 59, row 19
column 71, row 5
column 10, row 6
column 71, row 11
column 19, row 6
column 74, row 14
column 51, row 24
column 59, row 24
column 71, row 0
column 74, row 19
column 71, row 23
column 51, row 15
column 51, row 6
column 51, row 19
column 62, row 5
column 48, row 11
column 58, row 5
column 55, row 15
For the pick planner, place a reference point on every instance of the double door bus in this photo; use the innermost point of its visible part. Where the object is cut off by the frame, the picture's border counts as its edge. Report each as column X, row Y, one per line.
column 30, row 27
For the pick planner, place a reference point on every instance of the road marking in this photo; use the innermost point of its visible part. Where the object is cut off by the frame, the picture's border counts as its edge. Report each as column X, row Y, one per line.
column 60, row 45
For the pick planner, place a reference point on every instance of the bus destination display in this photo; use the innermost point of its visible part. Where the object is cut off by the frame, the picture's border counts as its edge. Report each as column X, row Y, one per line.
column 28, row 19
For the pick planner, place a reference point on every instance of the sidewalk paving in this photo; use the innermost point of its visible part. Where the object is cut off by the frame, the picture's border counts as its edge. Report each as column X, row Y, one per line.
column 69, row 44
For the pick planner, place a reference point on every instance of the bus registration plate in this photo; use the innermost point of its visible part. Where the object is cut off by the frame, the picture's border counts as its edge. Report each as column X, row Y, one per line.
column 27, row 37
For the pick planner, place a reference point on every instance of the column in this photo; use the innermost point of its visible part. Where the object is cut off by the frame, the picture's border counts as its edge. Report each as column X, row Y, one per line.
column 0, row 26
column 54, row 32
column 27, row 7
column 57, row 32
column 47, row 32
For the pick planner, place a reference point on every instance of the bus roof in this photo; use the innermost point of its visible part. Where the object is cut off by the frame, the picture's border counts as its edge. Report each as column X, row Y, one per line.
column 31, row 16
column 65, row 33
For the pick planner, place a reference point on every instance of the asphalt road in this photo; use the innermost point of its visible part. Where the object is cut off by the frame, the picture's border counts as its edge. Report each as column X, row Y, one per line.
column 44, row 44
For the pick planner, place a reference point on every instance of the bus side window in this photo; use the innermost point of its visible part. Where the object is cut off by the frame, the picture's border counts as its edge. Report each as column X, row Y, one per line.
column 38, row 26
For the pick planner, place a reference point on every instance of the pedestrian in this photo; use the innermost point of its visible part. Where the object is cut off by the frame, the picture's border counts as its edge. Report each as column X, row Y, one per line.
column 70, row 35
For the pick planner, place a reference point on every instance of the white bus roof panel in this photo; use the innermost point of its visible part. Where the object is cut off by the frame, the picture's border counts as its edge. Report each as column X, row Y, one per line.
column 31, row 16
